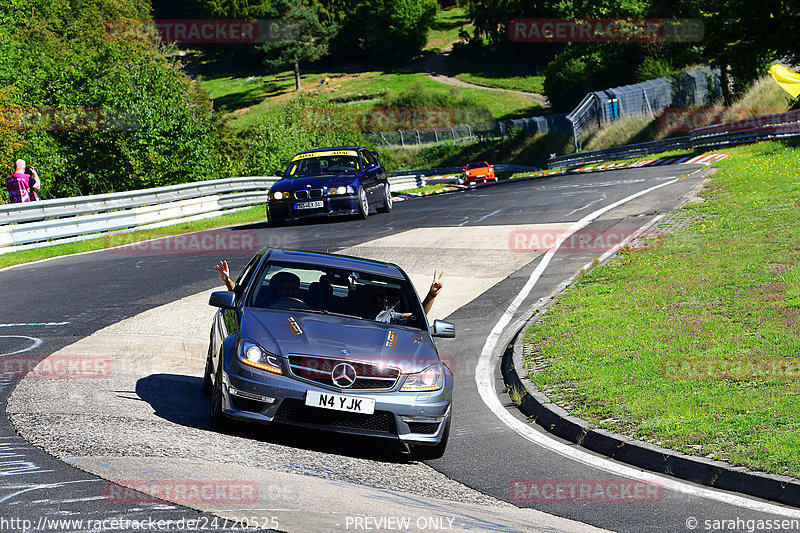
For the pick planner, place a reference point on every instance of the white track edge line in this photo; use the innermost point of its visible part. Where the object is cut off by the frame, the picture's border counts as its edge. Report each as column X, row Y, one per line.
column 484, row 378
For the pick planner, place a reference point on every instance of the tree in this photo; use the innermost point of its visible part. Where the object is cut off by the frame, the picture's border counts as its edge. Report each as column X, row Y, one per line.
column 396, row 30
column 296, row 35
column 743, row 38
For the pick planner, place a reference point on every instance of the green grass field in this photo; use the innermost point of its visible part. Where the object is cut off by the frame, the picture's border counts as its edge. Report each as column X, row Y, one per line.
column 660, row 343
column 446, row 27
column 244, row 99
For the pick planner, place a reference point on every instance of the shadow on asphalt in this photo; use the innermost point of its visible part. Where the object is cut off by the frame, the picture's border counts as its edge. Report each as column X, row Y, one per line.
column 180, row 399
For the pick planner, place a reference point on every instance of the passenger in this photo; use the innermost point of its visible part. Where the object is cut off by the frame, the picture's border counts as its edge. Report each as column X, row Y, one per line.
column 375, row 297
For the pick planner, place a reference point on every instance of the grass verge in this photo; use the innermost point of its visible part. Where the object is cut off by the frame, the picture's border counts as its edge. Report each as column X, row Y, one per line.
column 245, row 216
column 691, row 341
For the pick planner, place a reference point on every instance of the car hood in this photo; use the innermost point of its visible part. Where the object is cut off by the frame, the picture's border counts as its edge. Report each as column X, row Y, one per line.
column 314, row 182
column 290, row 332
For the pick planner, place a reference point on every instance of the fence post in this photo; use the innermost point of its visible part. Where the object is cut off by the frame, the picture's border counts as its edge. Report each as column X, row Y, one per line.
column 453, row 131
column 436, row 135
column 419, row 141
column 402, row 141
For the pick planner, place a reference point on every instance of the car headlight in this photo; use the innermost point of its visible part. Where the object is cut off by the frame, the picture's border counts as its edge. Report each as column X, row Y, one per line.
column 429, row 379
column 278, row 195
column 251, row 354
column 333, row 191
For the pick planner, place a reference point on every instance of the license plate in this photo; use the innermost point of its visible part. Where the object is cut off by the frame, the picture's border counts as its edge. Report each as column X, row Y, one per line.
column 338, row 402
column 309, row 205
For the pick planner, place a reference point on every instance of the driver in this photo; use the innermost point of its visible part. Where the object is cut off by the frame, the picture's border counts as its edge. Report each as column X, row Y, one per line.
column 281, row 285
column 284, row 285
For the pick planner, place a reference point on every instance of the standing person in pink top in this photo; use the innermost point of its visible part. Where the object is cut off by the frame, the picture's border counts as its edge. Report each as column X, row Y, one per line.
column 23, row 183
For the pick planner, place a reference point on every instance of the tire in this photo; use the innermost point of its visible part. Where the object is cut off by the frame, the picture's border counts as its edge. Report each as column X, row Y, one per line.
column 208, row 385
column 363, row 203
column 216, row 417
column 387, row 200
column 426, row 453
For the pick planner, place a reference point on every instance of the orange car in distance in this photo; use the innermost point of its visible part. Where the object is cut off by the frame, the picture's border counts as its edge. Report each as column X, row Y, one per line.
column 477, row 171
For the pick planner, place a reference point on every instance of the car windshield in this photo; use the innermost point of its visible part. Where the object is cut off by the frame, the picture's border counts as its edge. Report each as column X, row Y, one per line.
column 476, row 165
column 323, row 164
column 351, row 293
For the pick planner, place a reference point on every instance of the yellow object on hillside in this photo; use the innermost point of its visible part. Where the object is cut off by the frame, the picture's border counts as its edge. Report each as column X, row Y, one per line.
column 788, row 80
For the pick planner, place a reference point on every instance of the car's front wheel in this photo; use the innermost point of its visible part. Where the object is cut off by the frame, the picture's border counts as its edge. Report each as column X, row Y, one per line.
column 387, row 200
column 216, row 416
column 425, row 453
column 363, row 203
column 208, row 385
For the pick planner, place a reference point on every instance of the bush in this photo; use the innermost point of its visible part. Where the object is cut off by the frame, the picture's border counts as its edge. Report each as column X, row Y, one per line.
column 148, row 124
column 269, row 143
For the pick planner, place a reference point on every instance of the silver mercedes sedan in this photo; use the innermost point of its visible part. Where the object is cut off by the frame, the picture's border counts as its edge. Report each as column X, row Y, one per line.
column 333, row 343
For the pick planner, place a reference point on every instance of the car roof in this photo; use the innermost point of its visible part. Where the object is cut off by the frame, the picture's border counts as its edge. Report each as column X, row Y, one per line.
column 330, row 148
column 319, row 259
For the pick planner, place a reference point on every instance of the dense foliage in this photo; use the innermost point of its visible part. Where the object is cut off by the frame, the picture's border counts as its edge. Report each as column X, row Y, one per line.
column 741, row 38
column 101, row 107
column 307, row 121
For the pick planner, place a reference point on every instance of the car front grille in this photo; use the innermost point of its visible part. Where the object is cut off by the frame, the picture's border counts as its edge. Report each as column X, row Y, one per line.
column 304, row 194
column 293, row 410
column 318, row 369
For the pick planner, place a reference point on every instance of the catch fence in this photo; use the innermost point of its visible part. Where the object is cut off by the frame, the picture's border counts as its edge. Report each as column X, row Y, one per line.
column 471, row 133
column 694, row 87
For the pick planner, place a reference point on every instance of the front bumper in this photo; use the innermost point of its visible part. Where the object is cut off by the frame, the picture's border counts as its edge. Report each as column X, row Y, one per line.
column 413, row 417
column 332, row 206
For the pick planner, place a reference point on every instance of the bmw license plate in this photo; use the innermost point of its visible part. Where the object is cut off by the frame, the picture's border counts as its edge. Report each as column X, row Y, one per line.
column 309, row 205
column 350, row 404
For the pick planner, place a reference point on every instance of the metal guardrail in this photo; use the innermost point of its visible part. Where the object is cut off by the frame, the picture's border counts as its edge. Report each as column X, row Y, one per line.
column 62, row 220
column 779, row 126
column 620, row 152
column 50, row 222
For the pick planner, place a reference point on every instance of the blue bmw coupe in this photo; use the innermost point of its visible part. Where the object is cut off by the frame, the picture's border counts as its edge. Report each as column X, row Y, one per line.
column 329, row 342
column 346, row 180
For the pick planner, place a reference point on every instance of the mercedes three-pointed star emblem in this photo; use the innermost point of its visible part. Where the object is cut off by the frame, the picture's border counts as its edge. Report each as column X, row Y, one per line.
column 343, row 375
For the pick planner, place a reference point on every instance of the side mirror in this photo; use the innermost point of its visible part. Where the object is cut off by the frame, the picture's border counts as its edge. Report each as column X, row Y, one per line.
column 223, row 299
column 279, row 173
column 443, row 329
